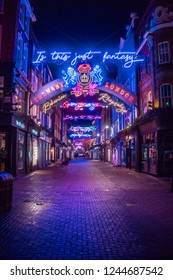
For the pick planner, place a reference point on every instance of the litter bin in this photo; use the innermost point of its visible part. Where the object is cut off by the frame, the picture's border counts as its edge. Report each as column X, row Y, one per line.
column 6, row 191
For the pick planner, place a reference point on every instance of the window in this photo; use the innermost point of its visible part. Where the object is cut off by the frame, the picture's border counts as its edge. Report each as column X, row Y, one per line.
column 1, row 6
column 19, row 49
column 0, row 39
column 21, row 151
column 20, row 99
column 166, row 95
column 163, row 52
column 25, row 59
column 148, row 65
column 1, row 89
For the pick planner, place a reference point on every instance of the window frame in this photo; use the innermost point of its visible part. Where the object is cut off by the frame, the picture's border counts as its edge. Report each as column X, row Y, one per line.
column 164, row 99
column 163, row 57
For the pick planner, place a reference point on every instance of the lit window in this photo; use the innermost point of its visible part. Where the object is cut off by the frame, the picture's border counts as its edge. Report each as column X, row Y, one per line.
column 20, row 99
column 166, row 95
column 25, row 58
column 163, row 52
column 19, row 49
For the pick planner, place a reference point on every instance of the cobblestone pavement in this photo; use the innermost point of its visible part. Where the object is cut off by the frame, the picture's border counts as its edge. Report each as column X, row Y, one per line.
column 88, row 210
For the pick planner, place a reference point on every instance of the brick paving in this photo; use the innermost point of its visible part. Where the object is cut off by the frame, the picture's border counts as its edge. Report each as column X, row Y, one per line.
column 88, row 210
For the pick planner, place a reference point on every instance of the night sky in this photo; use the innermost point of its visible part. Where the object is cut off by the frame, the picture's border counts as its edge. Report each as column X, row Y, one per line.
column 77, row 25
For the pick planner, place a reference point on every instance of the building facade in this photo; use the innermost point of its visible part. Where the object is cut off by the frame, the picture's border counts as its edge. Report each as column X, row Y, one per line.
column 25, row 131
column 146, row 144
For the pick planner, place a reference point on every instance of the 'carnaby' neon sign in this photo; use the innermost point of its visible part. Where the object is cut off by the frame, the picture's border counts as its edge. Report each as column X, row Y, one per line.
column 128, row 58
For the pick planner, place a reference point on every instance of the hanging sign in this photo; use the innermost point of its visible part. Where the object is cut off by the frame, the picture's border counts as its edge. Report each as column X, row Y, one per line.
column 48, row 91
column 127, row 58
column 47, row 106
column 120, row 92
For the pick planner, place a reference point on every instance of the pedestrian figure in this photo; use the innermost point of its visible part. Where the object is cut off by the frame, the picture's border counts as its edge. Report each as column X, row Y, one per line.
column 75, row 155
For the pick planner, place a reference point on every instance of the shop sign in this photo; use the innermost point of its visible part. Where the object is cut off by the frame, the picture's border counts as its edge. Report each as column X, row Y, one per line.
column 48, row 91
column 20, row 124
column 35, row 132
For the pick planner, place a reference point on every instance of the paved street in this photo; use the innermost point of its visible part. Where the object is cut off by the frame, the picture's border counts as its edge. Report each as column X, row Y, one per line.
column 88, row 210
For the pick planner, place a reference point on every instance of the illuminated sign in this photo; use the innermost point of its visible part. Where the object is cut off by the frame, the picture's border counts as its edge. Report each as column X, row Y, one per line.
column 120, row 108
column 80, row 105
column 128, row 58
column 119, row 91
column 82, row 129
column 84, row 76
column 48, row 91
column 49, row 104
column 81, row 117
column 35, row 132
column 80, row 135
column 20, row 124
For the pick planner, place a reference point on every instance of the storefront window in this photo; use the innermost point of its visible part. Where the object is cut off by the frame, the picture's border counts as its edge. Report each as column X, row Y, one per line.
column 35, row 151
column 144, row 163
column 152, row 157
column 133, row 153
column 21, row 151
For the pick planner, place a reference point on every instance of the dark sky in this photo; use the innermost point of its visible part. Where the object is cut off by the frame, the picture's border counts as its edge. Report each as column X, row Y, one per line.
column 78, row 24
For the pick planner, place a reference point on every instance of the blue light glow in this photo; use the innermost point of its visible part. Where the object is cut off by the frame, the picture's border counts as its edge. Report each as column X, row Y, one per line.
column 72, row 77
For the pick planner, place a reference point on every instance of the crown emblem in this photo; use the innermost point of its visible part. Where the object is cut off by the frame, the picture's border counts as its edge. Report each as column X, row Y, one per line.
column 84, row 78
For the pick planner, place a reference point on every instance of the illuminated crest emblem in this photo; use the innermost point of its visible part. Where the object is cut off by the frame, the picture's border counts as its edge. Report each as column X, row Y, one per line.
column 84, row 77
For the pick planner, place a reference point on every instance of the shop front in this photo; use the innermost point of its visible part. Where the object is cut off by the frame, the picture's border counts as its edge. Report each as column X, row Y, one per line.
column 156, row 145
column 13, row 143
column 44, row 149
column 128, row 148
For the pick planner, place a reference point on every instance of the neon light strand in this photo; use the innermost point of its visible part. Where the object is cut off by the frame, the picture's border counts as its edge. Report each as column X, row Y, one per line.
column 84, row 76
column 81, row 105
column 108, row 100
column 75, row 135
column 82, row 129
column 87, row 90
column 128, row 58
column 81, row 117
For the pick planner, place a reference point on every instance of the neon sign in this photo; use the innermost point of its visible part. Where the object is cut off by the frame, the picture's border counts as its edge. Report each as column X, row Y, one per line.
column 20, row 124
column 81, row 105
column 80, row 135
column 128, row 58
column 120, row 108
column 84, row 76
column 84, row 91
column 82, row 129
column 48, row 91
column 119, row 91
column 49, row 104
column 81, row 117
